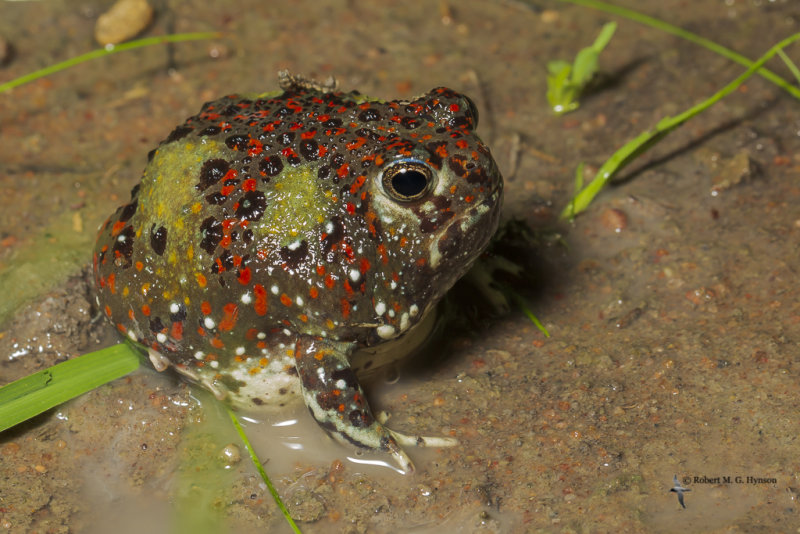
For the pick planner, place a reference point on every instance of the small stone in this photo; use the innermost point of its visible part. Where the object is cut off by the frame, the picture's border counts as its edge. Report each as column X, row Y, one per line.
column 125, row 19
column 230, row 454
column 614, row 219
column 736, row 170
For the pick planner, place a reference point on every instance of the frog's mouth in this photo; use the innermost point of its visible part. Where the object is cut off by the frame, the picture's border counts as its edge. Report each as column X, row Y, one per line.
column 467, row 235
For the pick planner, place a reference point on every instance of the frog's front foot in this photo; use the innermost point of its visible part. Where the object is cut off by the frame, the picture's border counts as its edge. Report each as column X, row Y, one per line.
column 336, row 400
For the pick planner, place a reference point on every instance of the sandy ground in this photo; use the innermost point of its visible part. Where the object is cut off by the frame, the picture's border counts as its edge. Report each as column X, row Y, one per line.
column 671, row 303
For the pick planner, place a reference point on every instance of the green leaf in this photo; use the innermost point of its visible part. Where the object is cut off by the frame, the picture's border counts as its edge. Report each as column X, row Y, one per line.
column 36, row 393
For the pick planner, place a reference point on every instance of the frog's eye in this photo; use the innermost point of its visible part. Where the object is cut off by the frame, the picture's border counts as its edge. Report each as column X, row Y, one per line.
column 407, row 180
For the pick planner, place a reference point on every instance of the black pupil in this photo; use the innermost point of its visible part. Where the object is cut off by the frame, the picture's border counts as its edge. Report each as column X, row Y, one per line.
column 409, row 183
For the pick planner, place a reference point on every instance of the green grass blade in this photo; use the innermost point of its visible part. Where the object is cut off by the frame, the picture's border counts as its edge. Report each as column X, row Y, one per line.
column 32, row 395
column 260, row 468
column 644, row 141
column 789, row 63
column 689, row 36
column 111, row 49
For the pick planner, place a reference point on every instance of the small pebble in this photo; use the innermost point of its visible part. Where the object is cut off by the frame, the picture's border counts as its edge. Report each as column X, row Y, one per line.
column 614, row 219
column 230, row 454
column 125, row 19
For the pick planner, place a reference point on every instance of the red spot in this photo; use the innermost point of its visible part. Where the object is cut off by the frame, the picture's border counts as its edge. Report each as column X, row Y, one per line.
column 345, row 308
column 347, row 287
column 220, row 267
column 146, row 310
column 112, row 278
column 255, row 147
column 285, row 300
column 320, row 270
column 226, row 190
column 117, row 228
column 357, row 184
column 351, row 209
column 108, row 311
column 313, row 292
column 382, row 253
column 321, row 151
column 363, row 265
column 177, row 330
column 330, row 281
column 251, row 334
column 249, row 185
column 205, row 307
column 217, row 343
column 308, row 134
column 244, row 276
column 261, row 299
column 230, row 314
column 358, row 143
column 342, row 171
column 454, row 108
column 323, row 118
column 139, row 266
column 462, row 144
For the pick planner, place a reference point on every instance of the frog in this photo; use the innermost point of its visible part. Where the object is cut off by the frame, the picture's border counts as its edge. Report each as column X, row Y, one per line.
column 285, row 244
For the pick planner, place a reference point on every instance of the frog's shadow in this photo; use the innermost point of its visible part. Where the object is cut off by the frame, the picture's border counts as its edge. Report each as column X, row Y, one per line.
column 519, row 267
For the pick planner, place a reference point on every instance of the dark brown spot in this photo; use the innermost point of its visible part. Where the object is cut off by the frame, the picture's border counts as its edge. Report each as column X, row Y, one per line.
column 212, row 172
column 271, row 166
column 158, row 239
column 251, row 206
column 294, row 256
column 211, row 230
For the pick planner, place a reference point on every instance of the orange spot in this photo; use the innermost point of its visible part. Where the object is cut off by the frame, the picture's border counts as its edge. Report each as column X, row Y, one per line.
column 357, row 184
column 313, row 292
column 249, row 185
column 111, row 283
column 304, row 317
column 319, row 355
column 139, row 266
column 130, row 314
column 217, row 342
column 201, row 280
column 146, row 310
column 285, row 300
column 108, row 311
column 205, row 307
column 345, row 308
column 382, row 253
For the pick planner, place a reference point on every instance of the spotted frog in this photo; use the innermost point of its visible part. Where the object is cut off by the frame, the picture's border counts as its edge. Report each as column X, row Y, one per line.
column 284, row 243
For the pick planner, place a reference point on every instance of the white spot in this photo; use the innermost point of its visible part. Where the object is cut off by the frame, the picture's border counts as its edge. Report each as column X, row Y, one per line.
column 261, row 335
column 161, row 337
column 239, row 351
column 329, row 227
column 393, row 284
column 404, row 322
column 199, row 355
column 209, row 322
column 413, row 310
column 386, row 331
column 132, row 335
column 274, row 290
column 121, row 238
column 174, row 307
column 391, row 313
column 341, row 384
column 246, row 298
column 214, row 364
column 287, row 332
column 299, row 301
column 355, row 275
column 294, row 245
column 380, row 308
